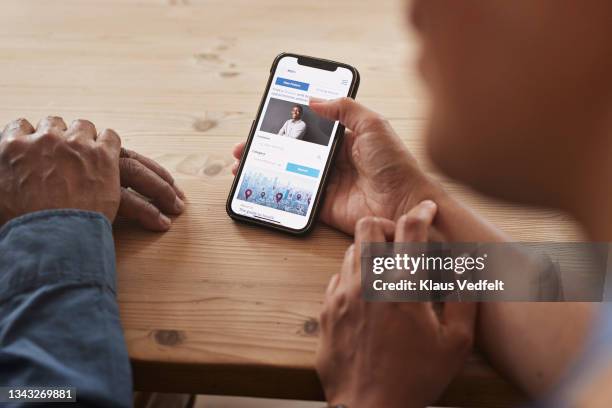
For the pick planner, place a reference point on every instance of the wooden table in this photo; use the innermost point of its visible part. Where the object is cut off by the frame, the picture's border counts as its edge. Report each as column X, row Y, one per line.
column 213, row 306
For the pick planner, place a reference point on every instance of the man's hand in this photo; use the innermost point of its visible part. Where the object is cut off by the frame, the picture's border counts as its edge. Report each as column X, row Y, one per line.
column 148, row 191
column 55, row 168
column 374, row 173
column 383, row 354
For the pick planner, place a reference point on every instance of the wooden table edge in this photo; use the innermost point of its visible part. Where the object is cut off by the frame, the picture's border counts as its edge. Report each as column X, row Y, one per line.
column 474, row 387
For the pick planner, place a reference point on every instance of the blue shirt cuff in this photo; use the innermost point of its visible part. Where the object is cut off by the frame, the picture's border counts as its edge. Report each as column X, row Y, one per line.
column 71, row 246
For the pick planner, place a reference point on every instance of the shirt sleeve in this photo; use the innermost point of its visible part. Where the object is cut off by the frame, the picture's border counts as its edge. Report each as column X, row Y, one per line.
column 283, row 130
column 59, row 319
column 301, row 130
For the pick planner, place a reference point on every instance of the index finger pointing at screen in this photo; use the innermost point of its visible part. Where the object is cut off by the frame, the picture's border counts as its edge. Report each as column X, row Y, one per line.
column 350, row 113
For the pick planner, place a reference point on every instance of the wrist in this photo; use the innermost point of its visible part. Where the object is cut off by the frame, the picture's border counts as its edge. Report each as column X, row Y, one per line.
column 422, row 189
column 454, row 221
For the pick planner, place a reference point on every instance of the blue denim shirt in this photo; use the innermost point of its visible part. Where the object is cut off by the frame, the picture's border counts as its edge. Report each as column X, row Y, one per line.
column 59, row 319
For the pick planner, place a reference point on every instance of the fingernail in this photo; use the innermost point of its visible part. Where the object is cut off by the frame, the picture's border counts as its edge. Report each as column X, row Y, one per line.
column 314, row 99
column 350, row 249
column 428, row 203
column 180, row 192
column 179, row 205
column 166, row 222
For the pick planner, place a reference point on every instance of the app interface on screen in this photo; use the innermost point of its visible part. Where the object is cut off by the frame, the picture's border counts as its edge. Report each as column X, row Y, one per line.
column 291, row 145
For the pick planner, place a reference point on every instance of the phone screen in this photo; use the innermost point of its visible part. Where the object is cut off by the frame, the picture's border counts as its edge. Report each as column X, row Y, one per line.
column 291, row 145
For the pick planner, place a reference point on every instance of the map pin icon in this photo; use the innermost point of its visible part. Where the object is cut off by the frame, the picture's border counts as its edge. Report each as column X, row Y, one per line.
column 299, row 197
column 248, row 193
column 263, row 194
column 278, row 197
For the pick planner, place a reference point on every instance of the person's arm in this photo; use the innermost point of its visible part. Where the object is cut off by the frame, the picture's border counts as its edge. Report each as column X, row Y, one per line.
column 301, row 131
column 59, row 320
column 530, row 343
column 283, row 130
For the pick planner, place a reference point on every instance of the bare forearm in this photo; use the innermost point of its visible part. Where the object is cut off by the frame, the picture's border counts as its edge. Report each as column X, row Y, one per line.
column 530, row 343
column 458, row 223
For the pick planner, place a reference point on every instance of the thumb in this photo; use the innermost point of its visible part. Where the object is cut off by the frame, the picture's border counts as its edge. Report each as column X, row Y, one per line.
column 349, row 112
column 458, row 320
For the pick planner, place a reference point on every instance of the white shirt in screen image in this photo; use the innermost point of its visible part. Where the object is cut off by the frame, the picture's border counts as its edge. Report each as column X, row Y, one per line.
column 294, row 129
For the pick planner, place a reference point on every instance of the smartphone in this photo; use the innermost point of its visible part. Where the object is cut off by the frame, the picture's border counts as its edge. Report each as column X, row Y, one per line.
column 290, row 149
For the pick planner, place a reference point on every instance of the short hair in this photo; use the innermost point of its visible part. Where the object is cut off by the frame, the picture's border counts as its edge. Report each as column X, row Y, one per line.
column 299, row 107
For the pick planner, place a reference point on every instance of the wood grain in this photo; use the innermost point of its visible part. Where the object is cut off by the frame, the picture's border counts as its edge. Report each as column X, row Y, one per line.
column 213, row 306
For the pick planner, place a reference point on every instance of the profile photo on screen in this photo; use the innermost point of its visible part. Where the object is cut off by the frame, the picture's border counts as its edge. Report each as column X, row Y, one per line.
column 296, row 121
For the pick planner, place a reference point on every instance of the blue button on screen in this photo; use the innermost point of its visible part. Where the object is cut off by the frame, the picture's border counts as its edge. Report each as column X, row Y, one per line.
column 303, row 170
column 289, row 83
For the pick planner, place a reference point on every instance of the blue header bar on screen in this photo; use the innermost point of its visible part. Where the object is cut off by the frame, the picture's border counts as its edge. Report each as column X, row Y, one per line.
column 289, row 83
